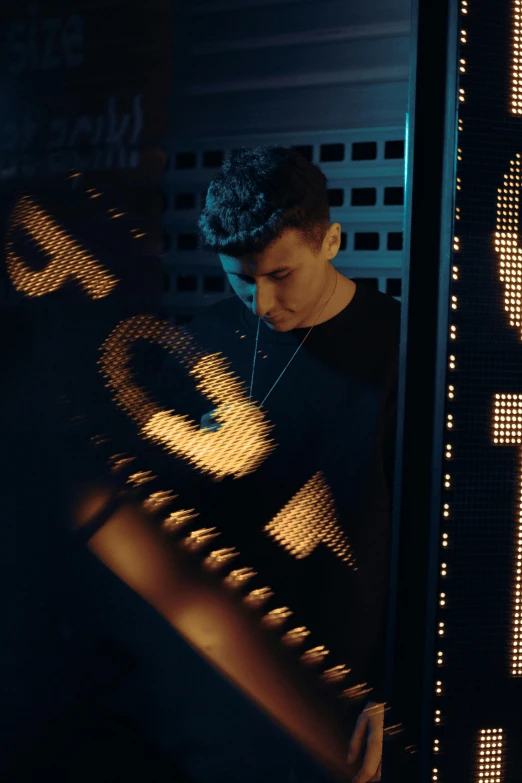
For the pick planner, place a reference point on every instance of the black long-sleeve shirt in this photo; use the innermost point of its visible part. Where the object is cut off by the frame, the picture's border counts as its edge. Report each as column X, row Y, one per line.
column 334, row 418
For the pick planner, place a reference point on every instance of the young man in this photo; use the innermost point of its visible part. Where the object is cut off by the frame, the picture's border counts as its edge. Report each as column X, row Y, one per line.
column 319, row 355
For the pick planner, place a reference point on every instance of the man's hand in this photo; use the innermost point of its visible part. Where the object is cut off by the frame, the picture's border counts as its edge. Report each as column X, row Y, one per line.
column 369, row 726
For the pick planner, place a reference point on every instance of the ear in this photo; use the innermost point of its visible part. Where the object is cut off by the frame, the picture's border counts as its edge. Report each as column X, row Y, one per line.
column 333, row 241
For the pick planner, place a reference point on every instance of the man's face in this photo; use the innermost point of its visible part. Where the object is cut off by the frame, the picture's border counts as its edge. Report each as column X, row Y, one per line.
column 284, row 284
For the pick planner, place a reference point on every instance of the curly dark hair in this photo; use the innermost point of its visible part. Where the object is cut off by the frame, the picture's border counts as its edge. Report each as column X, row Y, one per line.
column 259, row 193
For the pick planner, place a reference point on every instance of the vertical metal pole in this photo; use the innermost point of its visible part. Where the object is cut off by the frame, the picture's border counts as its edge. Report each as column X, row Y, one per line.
column 428, row 232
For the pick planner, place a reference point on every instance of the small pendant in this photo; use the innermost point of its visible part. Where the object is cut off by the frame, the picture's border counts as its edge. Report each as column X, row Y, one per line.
column 208, row 421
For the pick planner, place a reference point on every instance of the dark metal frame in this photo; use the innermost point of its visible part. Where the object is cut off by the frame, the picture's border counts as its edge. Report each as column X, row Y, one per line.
column 428, row 237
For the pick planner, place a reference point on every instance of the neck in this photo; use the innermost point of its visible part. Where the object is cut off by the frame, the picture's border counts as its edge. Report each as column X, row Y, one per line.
column 344, row 293
column 331, row 287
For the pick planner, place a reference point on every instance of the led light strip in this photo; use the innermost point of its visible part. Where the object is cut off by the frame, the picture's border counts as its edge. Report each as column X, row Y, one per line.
column 516, row 78
column 450, row 422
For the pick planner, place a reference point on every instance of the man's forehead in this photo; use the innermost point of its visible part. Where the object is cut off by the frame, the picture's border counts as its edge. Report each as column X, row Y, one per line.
column 268, row 264
column 281, row 252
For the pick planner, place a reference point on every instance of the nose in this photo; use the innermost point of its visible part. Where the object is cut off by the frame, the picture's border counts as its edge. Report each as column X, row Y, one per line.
column 262, row 300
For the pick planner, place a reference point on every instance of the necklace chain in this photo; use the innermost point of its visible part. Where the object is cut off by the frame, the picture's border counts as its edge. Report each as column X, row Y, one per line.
column 293, row 355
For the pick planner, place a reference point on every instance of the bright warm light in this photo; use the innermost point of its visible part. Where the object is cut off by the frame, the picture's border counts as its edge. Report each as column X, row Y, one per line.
column 507, row 242
column 68, row 260
column 310, row 519
column 336, row 673
column 507, row 431
column 489, row 756
column 237, row 448
column 516, row 62
column 315, row 655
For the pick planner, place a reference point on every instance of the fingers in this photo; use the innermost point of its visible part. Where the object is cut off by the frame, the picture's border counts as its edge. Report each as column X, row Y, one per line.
column 372, row 766
column 371, row 769
column 356, row 742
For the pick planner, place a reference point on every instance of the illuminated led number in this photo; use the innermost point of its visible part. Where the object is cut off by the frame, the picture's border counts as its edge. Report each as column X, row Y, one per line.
column 310, row 519
column 67, row 258
column 237, row 448
column 507, row 408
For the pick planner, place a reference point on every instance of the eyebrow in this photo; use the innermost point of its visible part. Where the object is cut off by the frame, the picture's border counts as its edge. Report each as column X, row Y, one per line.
column 267, row 274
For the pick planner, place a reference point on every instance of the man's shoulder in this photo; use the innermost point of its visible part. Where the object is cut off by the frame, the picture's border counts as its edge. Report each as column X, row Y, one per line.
column 380, row 317
column 381, row 311
column 383, row 304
